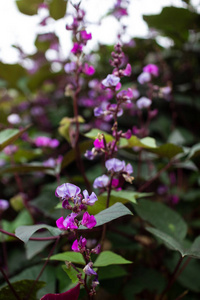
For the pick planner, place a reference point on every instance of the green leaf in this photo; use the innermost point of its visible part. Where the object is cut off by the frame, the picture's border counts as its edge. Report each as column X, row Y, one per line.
column 26, row 168
column 72, row 273
column 107, row 258
column 57, row 8
column 94, row 132
column 107, row 215
column 74, row 257
column 9, row 136
column 25, row 232
column 173, row 22
column 162, row 217
column 168, row 240
column 149, row 144
column 22, row 289
column 16, row 70
column 167, row 150
column 23, row 218
column 194, row 151
column 35, row 247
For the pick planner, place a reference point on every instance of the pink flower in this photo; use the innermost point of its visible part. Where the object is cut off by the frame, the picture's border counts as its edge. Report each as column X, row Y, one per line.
column 77, row 246
column 85, row 36
column 77, row 48
column 127, row 71
column 88, row 221
column 68, row 223
column 152, row 69
column 98, row 144
column 44, row 141
column 88, row 70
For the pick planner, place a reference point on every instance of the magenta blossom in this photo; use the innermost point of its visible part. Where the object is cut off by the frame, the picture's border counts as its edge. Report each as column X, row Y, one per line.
column 127, row 71
column 77, row 48
column 98, row 144
column 88, row 221
column 85, row 36
column 68, row 223
column 68, row 191
column 88, row 70
column 89, row 200
column 78, row 246
column 151, row 69
column 111, row 81
column 44, row 141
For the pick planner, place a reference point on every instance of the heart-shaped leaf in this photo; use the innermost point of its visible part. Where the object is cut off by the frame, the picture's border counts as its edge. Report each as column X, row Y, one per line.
column 72, row 294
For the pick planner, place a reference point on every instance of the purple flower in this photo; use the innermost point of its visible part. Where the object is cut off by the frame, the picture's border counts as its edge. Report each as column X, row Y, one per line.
column 97, row 249
column 151, row 69
column 4, row 204
column 70, row 67
column 88, row 269
column 111, row 80
column 68, row 223
column 68, row 191
column 101, row 182
column 143, row 102
column 128, row 169
column 88, row 221
column 89, row 200
column 77, row 246
column 77, row 48
column 115, row 165
column 98, row 112
column 88, row 70
column 89, row 154
column 144, row 77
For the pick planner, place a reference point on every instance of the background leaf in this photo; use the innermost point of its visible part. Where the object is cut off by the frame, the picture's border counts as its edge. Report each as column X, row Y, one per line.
column 25, row 232
column 107, row 258
column 162, row 217
column 22, row 289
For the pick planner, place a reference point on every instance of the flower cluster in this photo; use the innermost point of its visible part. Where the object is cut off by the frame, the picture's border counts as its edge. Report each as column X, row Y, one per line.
column 74, row 200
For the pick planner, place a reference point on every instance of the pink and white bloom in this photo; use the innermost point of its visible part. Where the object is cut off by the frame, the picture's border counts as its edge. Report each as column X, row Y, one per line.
column 68, row 223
